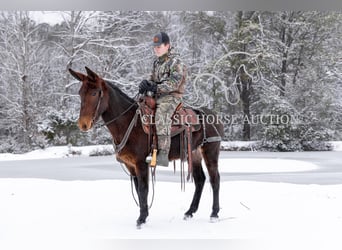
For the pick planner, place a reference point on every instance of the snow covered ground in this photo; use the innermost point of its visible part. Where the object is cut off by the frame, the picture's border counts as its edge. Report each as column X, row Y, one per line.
column 50, row 214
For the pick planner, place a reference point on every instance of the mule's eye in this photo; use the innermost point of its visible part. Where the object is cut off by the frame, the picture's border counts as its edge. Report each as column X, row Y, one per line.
column 94, row 94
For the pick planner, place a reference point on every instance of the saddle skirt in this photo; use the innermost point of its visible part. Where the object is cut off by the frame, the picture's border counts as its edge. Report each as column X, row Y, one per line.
column 181, row 119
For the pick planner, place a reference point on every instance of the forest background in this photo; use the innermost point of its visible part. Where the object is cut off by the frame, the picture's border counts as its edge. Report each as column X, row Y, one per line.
column 273, row 77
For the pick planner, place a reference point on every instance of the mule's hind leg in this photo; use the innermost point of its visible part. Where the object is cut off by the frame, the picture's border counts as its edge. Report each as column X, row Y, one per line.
column 199, row 179
column 210, row 152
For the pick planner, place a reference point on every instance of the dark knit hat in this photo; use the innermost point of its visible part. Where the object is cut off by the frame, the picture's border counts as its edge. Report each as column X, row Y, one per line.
column 160, row 38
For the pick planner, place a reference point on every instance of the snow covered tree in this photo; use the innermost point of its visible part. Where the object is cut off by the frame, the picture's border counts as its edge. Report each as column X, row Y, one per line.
column 22, row 72
column 295, row 42
column 246, row 45
column 112, row 43
column 276, row 75
column 235, row 67
column 203, row 42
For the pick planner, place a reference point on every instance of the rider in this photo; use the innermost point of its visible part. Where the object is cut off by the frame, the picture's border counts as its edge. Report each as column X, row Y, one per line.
column 167, row 81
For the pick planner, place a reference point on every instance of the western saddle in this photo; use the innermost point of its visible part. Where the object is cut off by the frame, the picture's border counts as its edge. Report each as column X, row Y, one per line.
column 184, row 120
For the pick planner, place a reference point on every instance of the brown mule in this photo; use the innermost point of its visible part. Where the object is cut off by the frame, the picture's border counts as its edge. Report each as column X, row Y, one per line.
column 100, row 98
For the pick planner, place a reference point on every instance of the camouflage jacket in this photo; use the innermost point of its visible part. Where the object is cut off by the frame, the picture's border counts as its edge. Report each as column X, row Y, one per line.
column 170, row 75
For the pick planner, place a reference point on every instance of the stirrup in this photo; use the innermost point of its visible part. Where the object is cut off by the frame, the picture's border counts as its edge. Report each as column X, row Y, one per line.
column 151, row 159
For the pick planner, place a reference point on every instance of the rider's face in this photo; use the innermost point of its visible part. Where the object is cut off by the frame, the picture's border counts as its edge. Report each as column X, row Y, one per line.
column 161, row 50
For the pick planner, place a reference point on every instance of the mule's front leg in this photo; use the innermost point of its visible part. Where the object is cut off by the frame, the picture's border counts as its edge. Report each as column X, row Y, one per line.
column 142, row 194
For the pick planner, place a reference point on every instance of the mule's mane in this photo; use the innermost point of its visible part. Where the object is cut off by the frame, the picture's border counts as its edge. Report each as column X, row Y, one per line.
column 119, row 91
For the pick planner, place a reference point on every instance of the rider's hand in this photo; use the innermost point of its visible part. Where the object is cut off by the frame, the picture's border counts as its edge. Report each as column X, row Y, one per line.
column 143, row 86
column 146, row 85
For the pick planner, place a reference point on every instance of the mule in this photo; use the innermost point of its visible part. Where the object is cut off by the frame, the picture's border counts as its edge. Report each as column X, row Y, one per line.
column 100, row 98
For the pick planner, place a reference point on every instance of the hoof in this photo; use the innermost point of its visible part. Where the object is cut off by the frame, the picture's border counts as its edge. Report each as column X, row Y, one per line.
column 187, row 217
column 140, row 223
column 214, row 219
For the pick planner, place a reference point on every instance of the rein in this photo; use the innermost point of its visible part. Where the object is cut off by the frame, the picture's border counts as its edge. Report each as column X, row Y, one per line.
column 115, row 118
column 121, row 145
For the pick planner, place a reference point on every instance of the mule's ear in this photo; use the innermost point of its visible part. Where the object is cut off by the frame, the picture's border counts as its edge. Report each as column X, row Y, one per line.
column 79, row 76
column 91, row 74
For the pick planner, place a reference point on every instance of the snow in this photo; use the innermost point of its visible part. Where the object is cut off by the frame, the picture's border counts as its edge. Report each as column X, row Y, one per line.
column 337, row 145
column 51, row 214
column 66, row 151
column 241, row 165
column 54, row 152
column 43, row 210
column 238, row 145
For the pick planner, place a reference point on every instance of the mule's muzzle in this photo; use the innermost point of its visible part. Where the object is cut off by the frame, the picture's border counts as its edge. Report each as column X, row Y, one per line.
column 85, row 124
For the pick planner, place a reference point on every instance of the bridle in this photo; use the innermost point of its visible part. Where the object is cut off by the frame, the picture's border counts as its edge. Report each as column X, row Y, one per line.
column 97, row 107
column 115, row 118
column 121, row 145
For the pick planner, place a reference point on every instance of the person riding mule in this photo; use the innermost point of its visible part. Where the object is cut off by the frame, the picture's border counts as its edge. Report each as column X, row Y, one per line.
column 119, row 112
column 166, row 84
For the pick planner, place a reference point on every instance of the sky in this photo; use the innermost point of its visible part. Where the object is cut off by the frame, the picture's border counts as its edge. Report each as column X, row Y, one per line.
column 50, row 17
column 50, row 214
